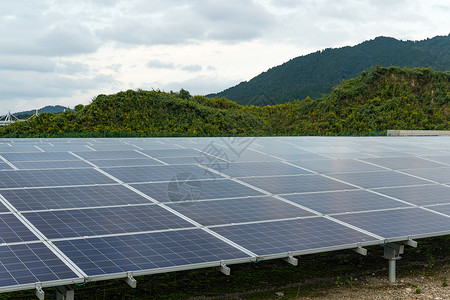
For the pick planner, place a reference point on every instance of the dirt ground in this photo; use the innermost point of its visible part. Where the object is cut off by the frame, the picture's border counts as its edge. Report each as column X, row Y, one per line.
column 421, row 285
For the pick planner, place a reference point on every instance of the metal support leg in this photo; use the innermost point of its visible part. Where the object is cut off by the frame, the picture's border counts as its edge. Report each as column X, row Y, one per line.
column 392, row 252
column 64, row 293
column 392, row 270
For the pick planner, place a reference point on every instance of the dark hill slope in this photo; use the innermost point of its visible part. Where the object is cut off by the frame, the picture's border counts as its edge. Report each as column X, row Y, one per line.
column 315, row 74
column 379, row 99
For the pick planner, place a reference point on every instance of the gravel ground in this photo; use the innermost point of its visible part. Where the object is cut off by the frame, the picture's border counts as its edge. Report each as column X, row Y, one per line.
column 413, row 286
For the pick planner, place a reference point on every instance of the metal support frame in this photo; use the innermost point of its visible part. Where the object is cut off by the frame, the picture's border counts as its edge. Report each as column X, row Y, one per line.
column 39, row 292
column 291, row 259
column 392, row 252
column 360, row 250
column 64, row 292
column 411, row 243
column 224, row 268
column 130, row 280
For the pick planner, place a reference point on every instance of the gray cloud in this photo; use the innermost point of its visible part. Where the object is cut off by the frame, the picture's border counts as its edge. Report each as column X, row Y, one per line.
column 27, row 63
column 157, row 64
column 192, row 68
column 188, row 21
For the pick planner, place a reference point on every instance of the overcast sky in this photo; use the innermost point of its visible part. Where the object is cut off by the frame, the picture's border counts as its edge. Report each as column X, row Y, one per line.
column 68, row 51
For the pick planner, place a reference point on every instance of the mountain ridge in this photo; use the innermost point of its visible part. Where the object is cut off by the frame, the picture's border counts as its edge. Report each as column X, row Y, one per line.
column 378, row 99
column 315, row 74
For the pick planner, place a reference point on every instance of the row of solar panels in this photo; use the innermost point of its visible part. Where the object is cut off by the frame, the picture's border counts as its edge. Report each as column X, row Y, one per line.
column 91, row 209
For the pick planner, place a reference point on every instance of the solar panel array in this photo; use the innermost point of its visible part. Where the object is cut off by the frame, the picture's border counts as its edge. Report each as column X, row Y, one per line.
column 73, row 210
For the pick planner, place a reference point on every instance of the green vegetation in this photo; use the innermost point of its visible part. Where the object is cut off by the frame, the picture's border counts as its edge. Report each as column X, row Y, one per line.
column 317, row 73
column 379, row 99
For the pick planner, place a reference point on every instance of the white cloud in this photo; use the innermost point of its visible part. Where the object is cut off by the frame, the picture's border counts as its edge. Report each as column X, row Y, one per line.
column 57, row 51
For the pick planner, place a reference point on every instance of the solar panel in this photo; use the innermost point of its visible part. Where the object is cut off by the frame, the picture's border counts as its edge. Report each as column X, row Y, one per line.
column 104, row 221
column 31, row 263
column 110, row 154
column 155, row 205
column 40, row 156
column 296, row 184
column 440, row 175
column 71, row 197
column 42, row 165
column 186, row 190
column 420, row 195
column 337, row 166
column 159, row 250
column 4, row 166
column 125, row 162
column 13, row 230
column 401, row 163
column 172, row 153
column 400, row 223
column 261, row 169
column 57, row 177
column 159, row 173
column 292, row 236
column 379, row 179
column 344, row 201
column 241, row 210
column 444, row 209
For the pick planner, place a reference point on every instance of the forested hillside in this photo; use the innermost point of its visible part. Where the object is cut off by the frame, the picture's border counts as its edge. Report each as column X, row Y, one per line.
column 378, row 99
column 316, row 74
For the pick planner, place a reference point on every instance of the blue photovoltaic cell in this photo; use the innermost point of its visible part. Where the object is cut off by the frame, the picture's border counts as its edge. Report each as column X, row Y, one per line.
column 302, row 157
column 102, row 221
column 379, row 179
column 29, row 264
column 292, row 235
column 39, row 156
column 261, row 169
column 55, row 177
column 191, row 160
column 420, row 195
column 185, row 190
column 18, row 149
column 172, row 153
column 228, row 211
column 444, row 209
column 12, row 230
column 337, row 166
column 59, row 164
column 296, row 184
column 445, row 159
column 125, row 162
column 110, row 154
column 3, row 208
column 65, row 147
column 345, row 201
column 116, row 147
column 96, row 256
column 4, row 166
column 72, row 197
column 159, row 173
column 399, row 223
column 441, row 175
column 401, row 163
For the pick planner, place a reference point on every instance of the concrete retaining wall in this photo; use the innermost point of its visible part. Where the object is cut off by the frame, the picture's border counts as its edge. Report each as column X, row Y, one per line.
column 418, row 132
